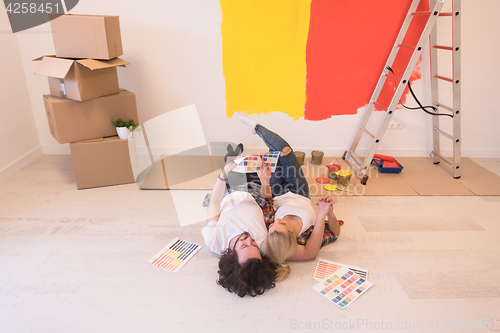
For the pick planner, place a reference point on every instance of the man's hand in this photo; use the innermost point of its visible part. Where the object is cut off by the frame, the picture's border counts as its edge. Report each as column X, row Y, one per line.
column 230, row 165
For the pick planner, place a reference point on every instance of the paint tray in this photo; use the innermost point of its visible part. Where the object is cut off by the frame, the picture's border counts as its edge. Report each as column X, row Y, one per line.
column 387, row 164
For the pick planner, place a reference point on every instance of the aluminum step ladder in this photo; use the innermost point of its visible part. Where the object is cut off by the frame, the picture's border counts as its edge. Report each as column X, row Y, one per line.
column 454, row 82
column 359, row 165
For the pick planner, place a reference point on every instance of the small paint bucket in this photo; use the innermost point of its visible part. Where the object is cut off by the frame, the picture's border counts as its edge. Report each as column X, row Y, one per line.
column 317, row 157
column 300, row 156
column 332, row 169
column 344, row 176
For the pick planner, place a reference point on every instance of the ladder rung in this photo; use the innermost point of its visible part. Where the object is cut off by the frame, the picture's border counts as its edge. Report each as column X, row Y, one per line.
column 390, row 76
column 445, row 107
column 449, row 48
column 421, row 13
column 442, row 157
column 411, row 47
column 449, row 136
column 367, row 132
column 446, row 14
column 443, row 78
column 380, row 106
column 355, row 158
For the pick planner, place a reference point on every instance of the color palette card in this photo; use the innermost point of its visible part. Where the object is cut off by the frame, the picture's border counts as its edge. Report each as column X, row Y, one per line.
column 343, row 287
column 325, row 268
column 173, row 256
column 252, row 163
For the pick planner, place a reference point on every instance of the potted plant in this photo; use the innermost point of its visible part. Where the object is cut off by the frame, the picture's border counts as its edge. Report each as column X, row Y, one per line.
column 123, row 128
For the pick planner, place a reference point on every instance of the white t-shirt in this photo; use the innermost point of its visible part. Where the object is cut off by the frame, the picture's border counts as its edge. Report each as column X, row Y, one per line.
column 239, row 213
column 295, row 204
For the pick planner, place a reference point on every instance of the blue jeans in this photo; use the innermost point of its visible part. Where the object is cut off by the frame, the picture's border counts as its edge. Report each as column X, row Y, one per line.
column 288, row 175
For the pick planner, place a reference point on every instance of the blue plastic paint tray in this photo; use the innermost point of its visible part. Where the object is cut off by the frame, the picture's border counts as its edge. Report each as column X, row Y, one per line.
column 384, row 166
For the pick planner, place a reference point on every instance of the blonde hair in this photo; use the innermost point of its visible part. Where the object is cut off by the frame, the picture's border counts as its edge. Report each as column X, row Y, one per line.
column 279, row 246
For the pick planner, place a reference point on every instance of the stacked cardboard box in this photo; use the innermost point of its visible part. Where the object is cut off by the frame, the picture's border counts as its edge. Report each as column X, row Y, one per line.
column 85, row 97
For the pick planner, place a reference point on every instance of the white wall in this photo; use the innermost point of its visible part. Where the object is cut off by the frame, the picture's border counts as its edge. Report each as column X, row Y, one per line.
column 19, row 142
column 175, row 51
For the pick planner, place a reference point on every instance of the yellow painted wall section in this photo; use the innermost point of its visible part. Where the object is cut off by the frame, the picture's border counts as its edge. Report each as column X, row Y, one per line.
column 264, row 55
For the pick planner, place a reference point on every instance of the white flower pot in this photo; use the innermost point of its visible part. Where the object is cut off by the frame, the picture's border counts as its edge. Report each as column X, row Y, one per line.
column 123, row 132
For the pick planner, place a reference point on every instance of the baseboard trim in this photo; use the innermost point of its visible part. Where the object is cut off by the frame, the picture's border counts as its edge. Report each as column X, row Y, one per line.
column 20, row 163
column 338, row 152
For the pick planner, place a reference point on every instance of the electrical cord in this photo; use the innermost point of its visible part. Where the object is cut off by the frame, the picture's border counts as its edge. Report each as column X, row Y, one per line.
column 420, row 107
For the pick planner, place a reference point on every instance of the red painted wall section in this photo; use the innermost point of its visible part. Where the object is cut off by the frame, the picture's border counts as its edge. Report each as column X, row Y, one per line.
column 347, row 48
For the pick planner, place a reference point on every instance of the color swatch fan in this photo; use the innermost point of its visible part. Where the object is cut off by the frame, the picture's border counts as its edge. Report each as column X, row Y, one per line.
column 173, row 256
column 343, row 287
column 252, row 163
column 325, row 268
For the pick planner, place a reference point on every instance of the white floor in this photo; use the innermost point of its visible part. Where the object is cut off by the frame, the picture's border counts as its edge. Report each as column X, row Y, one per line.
column 77, row 261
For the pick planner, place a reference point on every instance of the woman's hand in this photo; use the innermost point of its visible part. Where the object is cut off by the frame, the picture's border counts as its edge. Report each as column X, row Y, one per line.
column 264, row 172
column 327, row 199
column 325, row 205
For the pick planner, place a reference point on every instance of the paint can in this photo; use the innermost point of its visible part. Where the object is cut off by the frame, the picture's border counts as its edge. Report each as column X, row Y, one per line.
column 344, row 176
column 317, row 157
column 300, row 156
column 332, row 169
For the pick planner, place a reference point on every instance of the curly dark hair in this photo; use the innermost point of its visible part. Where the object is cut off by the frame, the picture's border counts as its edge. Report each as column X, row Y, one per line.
column 252, row 278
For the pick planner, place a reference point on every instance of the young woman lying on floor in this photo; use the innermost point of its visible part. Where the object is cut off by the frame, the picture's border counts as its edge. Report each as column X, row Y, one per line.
column 296, row 233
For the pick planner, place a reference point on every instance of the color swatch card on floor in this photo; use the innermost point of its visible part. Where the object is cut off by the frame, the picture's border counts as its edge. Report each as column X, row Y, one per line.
column 325, row 268
column 173, row 256
column 343, row 287
column 252, row 163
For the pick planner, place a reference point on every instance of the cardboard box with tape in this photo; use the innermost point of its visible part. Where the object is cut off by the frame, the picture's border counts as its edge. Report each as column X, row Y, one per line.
column 71, row 121
column 101, row 162
column 80, row 80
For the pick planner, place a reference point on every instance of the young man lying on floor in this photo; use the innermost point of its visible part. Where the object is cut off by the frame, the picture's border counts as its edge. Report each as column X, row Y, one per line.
column 235, row 230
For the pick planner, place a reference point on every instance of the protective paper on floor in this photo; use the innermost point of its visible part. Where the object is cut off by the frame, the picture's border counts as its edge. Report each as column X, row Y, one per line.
column 420, row 176
column 196, row 168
